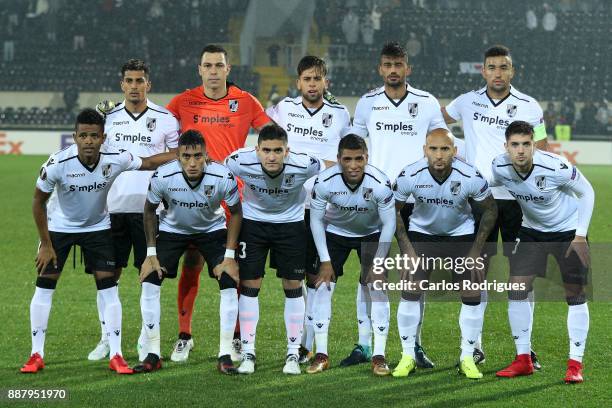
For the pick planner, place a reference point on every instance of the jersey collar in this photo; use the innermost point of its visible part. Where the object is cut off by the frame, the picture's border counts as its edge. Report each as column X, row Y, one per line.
column 131, row 115
column 352, row 189
column 89, row 169
column 495, row 105
column 398, row 103
column 196, row 185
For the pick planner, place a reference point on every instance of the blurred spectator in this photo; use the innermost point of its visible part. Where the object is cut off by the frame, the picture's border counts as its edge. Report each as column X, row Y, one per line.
column 350, row 27
column 588, row 122
column 367, row 31
column 273, row 54
column 292, row 92
column 273, row 96
column 549, row 20
column 71, row 97
column 567, row 113
column 532, row 19
column 550, row 118
column 375, row 16
column 413, row 46
column 602, row 116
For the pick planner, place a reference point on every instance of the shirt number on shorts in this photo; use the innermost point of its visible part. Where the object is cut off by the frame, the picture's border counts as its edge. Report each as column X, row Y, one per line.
column 242, row 253
column 518, row 241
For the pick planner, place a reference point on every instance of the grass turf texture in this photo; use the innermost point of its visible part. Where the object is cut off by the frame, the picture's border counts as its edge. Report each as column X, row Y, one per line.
column 74, row 330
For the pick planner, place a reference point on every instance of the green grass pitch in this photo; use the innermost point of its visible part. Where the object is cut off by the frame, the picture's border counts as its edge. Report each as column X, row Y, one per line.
column 74, row 330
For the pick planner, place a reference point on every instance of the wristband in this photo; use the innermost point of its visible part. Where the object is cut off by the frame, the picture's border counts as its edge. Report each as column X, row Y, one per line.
column 151, row 251
column 230, row 253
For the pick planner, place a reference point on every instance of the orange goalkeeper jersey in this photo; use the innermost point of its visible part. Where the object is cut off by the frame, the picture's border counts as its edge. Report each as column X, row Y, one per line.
column 224, row 122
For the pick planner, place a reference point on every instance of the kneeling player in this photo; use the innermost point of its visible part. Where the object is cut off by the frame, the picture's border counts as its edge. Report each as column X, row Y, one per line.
column 442, row 226
column 192, row 189
column 359, row 216
column 82, row 174
column 273, row 205
column 554, row 222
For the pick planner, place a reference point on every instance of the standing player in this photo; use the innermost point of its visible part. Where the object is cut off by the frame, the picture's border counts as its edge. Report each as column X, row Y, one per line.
column 143, row 129
column 442, row 226
column 223, row 113
column 82, row 174
column 314, row 126
column 557, row 203
column 485, row 114
column 193, row 189
column 355, row 200
column 397, row 117
column 273, row 220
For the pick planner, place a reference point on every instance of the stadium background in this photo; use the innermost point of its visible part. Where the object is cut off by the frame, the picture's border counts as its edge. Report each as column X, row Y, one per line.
column 59, row 56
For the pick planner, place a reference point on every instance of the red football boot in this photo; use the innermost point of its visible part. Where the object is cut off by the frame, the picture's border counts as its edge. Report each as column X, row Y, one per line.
column 119, row 365
column 574, row 372
column 35, row 363
column 521, row 365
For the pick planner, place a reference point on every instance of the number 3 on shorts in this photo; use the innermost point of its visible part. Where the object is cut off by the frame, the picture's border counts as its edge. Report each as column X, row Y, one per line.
column 242, row 253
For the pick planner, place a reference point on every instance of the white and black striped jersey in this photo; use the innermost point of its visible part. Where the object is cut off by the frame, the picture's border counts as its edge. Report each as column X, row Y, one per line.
column 144, row 134
column 82, row 190
column 441, row 208
column 313, row 131
column 484, row 125
column 192, row 208
column 545, row 194
column 397, row 129
column 352, row 211
column 278, row 198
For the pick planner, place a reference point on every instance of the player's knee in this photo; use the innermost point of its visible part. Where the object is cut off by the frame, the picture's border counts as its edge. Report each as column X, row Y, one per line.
column 47, row 282
column 249, row 291
column 225, row 282
column 154, row 279
column 518, row 295
column 293, row 293
column 411, row 296
column 310, row 281
column 105, row 283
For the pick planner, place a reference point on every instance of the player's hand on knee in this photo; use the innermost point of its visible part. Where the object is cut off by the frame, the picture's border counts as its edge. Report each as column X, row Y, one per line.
column 45, row 256
column 150, row 265
column 326, row 275
column 230, row 267
column 581, row 247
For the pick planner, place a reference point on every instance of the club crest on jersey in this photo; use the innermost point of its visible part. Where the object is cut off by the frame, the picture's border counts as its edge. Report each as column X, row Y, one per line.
column 413, row 109
column 327, row 119
column 511, row 110
column 540, row 182
column 455, row 187
column 233, row 105
column 43, row 173
column 151, row 123
column 209, row 190
column 367, row 193
column 106, row 170
column 289, row 180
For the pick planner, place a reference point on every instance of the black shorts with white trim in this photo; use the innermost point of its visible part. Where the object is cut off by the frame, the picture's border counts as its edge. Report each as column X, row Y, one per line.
column 96, row 246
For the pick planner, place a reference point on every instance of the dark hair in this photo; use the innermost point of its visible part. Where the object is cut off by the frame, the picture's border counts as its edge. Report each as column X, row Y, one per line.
column 135, row 65
column 519, row 127
column 393, row 49
column 352, row 142
column 191, row 138
column 310, row 61
column 89, row 116
column 272, row 132
column 497, row 51
column 213, row 49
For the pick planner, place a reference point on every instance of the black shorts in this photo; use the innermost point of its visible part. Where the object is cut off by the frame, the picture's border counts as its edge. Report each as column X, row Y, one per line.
column 96, row 246
column 128, row 233
column 171, row 246
column 311, row 254
column 508, row 223
column 286, row 240
column 406, row 212
column 340, row 247
column 436, row 250
column 531, row 250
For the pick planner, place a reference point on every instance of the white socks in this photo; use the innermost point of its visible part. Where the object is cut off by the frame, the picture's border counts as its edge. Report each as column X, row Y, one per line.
column 577, row 328
column 470, row 323
column 484, row 299
column 100, row 304
column 364, row 323
column 40, row 307
column 408, row 316
column 380, row 320
column 151, row 314
column 519, row 314
column 228, row 312
column 112, row 318
column 309, row 333
column 322, row 315
column 294, row 322
column 248, row 311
